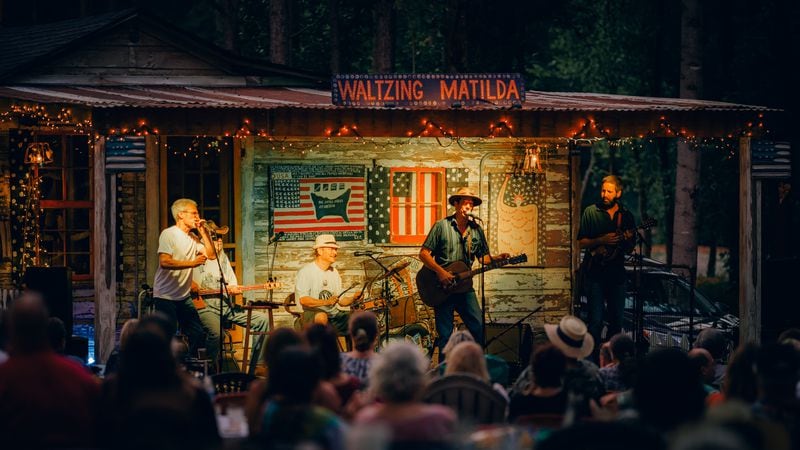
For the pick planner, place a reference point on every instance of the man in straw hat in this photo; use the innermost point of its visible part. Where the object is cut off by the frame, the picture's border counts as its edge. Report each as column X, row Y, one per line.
column 318, row 286
column 457, row 237
column 206, row 277
column 178, row 254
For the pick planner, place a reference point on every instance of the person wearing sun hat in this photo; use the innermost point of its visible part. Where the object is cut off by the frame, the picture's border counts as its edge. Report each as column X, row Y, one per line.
column 318, row 286
column 582, row 377
column 457, row 237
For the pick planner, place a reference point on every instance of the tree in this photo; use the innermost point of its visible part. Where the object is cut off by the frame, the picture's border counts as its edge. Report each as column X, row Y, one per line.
column 383, row 38
column 280, row 43
column 687, row 174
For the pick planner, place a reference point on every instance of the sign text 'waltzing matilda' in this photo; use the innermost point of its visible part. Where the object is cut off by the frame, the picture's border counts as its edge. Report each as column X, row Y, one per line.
column 428, row 90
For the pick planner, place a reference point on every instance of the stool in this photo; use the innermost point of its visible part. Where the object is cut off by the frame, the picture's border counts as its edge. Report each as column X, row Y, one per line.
column 249, row 307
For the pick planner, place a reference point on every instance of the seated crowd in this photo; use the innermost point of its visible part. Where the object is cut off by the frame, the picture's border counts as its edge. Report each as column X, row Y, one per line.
column 315, row 396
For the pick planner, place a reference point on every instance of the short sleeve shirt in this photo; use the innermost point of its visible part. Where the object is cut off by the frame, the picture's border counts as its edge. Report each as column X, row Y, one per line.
column 447, row 245
column 314, row 282
column 595, row 222
column 175, row 284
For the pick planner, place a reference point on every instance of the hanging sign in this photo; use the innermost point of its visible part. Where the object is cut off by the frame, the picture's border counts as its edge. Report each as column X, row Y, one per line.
column 428, row 90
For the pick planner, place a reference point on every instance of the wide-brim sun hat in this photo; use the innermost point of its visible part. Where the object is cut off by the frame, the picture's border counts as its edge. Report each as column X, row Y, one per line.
column 325, row 241
column 571, row 337
column 464, row 192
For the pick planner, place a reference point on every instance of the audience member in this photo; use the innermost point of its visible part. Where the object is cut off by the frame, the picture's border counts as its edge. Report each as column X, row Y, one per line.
column 290, row 420
column 151, row 401
column 258, row 393
column 398, row 379
column 497, row 366
column 547, row 395
column 3, row 336
column 668, row 391
column 717, row 344
column 363, row 329
column 704, row 364
column 740, row 378
column 324, row 342
column 618, row 375
column 112, row 363
column 46, row 400
column 777, row 371
column 468, row 357
column 605, row 358
column 57, row 337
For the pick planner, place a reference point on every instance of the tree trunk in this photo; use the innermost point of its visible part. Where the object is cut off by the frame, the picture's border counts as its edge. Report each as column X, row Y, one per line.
column 668, row 187
column 336, row 60
column 711, row 270
column 455, row 29
column 383, row 43
column 280, row 41
column 687, row 175
column 228, row 22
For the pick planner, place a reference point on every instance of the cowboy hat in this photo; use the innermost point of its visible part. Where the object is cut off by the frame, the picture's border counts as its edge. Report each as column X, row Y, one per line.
column 571, row 337
column 464, row 192
column 325, row 240
column 219, row 231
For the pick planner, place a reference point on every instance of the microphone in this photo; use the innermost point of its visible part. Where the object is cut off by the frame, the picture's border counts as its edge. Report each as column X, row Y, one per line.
column 474, row 216
column 275, row 237
column 367, row 253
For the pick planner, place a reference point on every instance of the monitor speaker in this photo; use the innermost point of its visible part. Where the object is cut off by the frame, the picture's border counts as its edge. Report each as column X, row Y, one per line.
column 512, row 343
column 55, row 285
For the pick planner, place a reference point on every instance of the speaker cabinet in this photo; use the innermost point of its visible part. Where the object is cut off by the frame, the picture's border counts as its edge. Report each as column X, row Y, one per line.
column 55, row 285
column 512, row 343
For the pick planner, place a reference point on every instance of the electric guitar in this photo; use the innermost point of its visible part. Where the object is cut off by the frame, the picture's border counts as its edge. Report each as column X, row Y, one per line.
column 602, row 255
column 199, row 303
column 433, row 293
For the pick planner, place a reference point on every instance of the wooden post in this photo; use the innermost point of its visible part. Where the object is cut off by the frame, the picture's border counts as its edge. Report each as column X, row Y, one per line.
column 575, row 217
column 246, row 241
column 104, row 256
column 152, row 205
column 749, row 248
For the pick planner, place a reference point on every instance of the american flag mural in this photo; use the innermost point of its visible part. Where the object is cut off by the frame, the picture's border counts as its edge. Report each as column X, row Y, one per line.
column 307, row 200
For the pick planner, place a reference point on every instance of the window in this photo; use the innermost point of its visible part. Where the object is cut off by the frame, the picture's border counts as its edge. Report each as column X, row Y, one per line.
column 201, row 168
column 417, row 201
column 67, row 206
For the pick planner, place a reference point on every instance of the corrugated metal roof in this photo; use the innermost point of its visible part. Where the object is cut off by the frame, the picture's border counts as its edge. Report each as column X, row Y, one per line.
column 268, row 98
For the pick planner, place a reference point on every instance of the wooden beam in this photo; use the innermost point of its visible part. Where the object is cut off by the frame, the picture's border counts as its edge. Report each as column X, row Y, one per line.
column 749, row 248
column 152, row 205
column 245, row 242
column 104, row 256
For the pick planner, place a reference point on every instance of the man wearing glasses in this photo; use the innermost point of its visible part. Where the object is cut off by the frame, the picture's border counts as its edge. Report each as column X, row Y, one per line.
column 178, row 254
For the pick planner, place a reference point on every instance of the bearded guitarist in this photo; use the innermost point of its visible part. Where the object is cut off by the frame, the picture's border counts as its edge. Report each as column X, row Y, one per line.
column 603, row 268
column 457, row 237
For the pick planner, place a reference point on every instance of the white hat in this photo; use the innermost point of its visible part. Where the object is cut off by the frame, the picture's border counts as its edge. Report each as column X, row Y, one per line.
column 325, row 240
column 571, row 337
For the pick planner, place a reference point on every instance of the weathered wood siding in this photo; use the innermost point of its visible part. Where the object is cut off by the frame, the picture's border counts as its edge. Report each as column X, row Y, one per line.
column 511, row 292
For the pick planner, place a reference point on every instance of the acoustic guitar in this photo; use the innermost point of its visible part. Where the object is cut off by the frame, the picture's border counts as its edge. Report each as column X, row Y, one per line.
column 602, row 255
column 433, row 293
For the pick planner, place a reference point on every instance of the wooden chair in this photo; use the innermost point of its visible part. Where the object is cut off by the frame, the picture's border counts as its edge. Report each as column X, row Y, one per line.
column 288, row 302
column 474, row 400
column 539, row 421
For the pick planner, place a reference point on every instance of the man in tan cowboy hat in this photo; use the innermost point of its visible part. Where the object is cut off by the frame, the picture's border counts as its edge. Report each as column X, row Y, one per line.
column 206, row 277
column 178, row 254
column 318, row 286
column 457, row 237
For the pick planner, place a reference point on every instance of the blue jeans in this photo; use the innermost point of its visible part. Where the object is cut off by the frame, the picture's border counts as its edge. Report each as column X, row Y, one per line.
column 183, row 312
column 209, row 316
column 602, row 295
column 466, row 305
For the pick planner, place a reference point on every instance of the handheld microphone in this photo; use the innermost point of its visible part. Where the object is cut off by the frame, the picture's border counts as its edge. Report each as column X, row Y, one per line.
column 275, row 237
column 367, row 253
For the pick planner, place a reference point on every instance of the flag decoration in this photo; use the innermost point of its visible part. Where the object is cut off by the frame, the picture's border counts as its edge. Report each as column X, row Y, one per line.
column 416, row 203
column 517, row 214
column 378, row 229
column 770, row 159
column 125, row 154
column 307, row 200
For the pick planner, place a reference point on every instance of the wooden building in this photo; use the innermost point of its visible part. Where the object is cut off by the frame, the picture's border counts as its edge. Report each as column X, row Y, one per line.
column 238, row 134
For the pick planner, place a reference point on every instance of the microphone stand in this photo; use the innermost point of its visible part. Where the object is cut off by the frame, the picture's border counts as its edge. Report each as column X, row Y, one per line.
column 386, row 293
column 224, row 299
column 477, row 221
column 256, row 350
column 638, row 303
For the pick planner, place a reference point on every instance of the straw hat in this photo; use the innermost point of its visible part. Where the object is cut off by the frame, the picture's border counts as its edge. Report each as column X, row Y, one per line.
column 464, row 192
column 571, row 337
column 325, row 240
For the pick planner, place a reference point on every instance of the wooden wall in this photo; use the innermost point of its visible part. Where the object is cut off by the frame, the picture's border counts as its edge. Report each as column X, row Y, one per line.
column 511, row 292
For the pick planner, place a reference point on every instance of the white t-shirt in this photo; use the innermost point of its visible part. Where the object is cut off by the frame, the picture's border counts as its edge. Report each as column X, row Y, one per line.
column 207, row 275
column 314, row 282
column 175, row 284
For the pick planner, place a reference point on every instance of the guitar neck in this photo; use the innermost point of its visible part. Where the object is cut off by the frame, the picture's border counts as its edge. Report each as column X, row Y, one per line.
column 252, row 287
column 487, row 267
